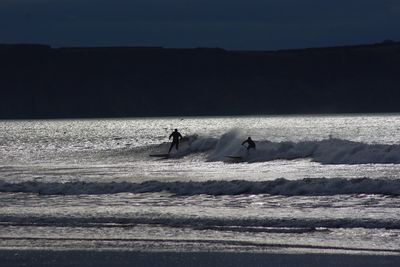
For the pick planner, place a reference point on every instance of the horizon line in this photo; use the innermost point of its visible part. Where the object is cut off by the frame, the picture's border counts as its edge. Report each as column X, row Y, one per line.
column 384, row 42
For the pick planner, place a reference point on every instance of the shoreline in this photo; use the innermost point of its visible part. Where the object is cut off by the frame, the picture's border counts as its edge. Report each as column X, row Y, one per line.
column 119, row 258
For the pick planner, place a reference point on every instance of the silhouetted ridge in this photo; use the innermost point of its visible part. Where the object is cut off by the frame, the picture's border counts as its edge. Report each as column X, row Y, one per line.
column 40, row 82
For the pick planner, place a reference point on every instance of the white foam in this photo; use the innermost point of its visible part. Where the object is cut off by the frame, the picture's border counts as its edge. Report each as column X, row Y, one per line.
column 329, row 151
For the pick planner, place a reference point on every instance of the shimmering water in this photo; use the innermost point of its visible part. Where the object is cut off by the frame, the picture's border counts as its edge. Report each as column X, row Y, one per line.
column 314, row 182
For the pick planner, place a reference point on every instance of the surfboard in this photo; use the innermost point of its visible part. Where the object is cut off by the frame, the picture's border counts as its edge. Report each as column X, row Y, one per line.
column 234, row 157
column 159, row 155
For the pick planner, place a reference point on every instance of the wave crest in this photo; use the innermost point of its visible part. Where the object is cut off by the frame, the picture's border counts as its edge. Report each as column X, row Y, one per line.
column 328, row 151
column 281, row 186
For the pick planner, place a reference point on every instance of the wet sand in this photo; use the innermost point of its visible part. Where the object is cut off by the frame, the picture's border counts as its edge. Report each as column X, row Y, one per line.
column 86, row 258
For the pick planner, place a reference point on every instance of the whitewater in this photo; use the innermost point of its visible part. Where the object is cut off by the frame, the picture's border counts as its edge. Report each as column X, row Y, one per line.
column 314, row 183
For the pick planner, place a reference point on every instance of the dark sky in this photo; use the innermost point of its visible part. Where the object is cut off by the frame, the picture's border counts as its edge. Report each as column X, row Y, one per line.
column 230, row 24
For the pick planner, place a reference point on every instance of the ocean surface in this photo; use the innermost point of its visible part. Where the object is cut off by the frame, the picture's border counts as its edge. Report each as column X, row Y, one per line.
column 314, row 183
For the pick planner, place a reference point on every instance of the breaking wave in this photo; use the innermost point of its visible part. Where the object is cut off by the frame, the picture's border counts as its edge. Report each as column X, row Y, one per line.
column 281, row 186
column 329, row 151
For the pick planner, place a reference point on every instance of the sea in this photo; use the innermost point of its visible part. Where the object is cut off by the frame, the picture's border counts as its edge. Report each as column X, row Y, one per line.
column 314, row 183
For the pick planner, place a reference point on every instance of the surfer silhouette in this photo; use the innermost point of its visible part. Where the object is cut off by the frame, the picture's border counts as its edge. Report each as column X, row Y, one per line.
column 250, row 143
column 176, row 137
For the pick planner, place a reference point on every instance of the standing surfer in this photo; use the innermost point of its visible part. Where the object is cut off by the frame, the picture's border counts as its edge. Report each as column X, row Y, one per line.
column 250, row 143
column 176, row 137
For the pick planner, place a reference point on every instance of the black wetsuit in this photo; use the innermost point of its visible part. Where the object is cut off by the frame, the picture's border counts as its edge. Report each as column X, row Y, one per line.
column 176, row 136
column 251, row 143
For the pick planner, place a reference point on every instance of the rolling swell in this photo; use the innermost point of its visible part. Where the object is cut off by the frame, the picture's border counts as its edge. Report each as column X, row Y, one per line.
column 328, row 151
column 297, row 225
column 281, row 186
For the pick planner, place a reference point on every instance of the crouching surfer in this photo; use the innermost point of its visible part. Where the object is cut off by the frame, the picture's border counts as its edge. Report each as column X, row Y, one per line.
column 250, row 142
column 176, row 137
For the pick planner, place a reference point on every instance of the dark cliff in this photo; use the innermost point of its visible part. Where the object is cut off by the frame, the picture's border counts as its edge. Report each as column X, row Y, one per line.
column 41, row 82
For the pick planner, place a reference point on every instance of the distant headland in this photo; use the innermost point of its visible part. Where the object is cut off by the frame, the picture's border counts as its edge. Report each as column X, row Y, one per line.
column 38, row 81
